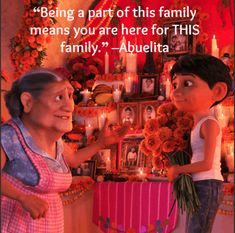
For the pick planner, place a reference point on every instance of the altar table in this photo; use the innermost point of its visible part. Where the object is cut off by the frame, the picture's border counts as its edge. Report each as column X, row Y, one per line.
column 134, row 207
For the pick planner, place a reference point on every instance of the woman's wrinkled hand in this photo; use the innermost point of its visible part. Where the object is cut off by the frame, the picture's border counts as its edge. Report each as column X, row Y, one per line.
column 108, row 137
column 36, row 206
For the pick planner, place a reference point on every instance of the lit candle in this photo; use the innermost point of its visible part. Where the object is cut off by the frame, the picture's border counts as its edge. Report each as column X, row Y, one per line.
column 131, row 62
column 102, row 119
column 128, row 84
column 116, row 95
column 123, row 51
column 106, row 63
column 168, row 88
column 89, row 130
column 141, row 174
column 214, row 47
column 108, row 164
column 223, row 120
column 86, row 95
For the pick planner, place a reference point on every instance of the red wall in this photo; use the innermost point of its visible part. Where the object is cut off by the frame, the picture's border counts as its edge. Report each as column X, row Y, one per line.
column 212, row 25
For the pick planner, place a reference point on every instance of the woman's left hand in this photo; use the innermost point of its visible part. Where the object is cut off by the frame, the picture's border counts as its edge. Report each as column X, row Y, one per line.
column 108, row 137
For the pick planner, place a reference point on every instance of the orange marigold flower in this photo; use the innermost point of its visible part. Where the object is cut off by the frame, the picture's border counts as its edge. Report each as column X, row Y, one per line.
column 26, row 54
column 98, row 61
column 84, row 55
column 181, row 144
column 31, row 39
column 28, row 21
column 151, row 126
column 34, row 53
column 178, row 133
column 93, row 69
column 169, row 146
column 40, row 39
column 152, row 142
column 77, row 66
column 166, row 109
column 144, row 149
column 184, row 123
column 164, row 133
column 162, row 120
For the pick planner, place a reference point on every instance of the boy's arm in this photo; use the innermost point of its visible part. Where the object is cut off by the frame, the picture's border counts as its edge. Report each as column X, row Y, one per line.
column 209, row 131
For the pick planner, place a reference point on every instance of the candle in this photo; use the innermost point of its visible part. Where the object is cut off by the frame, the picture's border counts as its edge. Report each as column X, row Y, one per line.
column 116, row 95
column 223, row 120
column 106, row 63
column 123, row 51
column 168, row 88
column 214, row 47
column 86, row 95
column 108, row 164
column 131, row 62
column 89, row 130
column 101, row 120
column 128, row 84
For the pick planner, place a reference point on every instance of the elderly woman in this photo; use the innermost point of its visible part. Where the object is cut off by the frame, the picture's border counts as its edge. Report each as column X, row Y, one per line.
column 34, row 160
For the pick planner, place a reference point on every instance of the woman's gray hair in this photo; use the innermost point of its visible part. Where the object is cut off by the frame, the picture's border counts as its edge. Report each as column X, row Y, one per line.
column 33, row 82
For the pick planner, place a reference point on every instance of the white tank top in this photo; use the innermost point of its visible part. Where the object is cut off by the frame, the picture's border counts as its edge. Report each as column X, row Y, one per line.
column 197, row 144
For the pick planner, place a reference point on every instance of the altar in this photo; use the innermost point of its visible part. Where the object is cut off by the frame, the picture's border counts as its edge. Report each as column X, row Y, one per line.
column 120, row 205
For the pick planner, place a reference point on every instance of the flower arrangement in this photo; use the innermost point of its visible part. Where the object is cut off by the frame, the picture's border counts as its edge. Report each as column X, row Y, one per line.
column 29, row 50
column 167, row 140
column 84, row 68
column 81, row 72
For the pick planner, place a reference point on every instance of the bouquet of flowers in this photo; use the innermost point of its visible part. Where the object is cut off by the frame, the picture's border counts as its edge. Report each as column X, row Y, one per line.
column 167, row 140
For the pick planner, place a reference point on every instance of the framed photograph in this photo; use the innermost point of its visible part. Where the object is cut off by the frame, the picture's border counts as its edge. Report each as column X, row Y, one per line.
column 148, row 85
column 148, row 110
column 178, row 41
column 129, row 112
column 130, row 156
column 102, row 158
column 88, row 168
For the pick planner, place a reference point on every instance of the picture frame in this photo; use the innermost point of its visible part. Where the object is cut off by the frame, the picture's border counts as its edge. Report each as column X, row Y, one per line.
column 101, row 158
column 87, row 168
column 148, row 110
column 128, row 112
column 130, row 157
column 148, row 85
column 179, row 43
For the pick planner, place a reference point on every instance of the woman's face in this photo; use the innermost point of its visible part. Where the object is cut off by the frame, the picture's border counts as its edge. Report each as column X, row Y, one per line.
column 52, row 110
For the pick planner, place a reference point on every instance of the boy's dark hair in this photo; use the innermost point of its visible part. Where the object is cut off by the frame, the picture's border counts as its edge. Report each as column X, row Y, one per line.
column 210, row 69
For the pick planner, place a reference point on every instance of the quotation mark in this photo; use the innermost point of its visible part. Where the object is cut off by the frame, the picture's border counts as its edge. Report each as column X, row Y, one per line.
column 36, row 9
column 105, row 44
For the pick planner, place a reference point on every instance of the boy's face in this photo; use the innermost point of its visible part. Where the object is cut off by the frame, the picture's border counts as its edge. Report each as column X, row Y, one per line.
column 191, row 94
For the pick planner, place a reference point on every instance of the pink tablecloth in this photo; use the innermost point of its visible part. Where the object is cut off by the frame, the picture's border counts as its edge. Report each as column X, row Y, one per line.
column 138, row 207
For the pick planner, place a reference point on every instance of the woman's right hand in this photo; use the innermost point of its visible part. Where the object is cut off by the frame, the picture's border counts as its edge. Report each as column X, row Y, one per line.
column 36, row 206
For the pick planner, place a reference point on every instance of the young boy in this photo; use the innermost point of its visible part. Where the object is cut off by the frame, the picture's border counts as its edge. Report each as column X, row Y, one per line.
column 200, row 82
